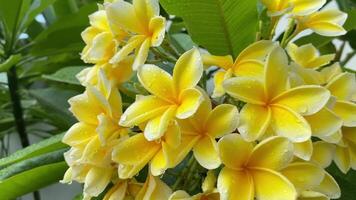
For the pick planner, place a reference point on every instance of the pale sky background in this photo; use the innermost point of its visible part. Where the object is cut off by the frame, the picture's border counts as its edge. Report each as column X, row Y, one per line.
column 67, row 192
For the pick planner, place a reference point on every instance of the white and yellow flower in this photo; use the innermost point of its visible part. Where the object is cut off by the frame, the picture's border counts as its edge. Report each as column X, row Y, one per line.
column 255, row 169
column 173, row 97
column 141, row 19
column 271, row 103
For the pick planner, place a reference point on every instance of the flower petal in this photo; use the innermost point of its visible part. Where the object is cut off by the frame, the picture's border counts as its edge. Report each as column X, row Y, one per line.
column 254, row 121
column 145, row 10
column 157, row 126
column 343, row 86
column 347, row 112
column 234, row 152
column 79, row 134
column 224, row 62
column 206, row 153
column 188, row 70
column 303, row 150
column 124, row 52
column 228, row 180
column 265, row 179
column 127, row 153
column 157, row 28
column 323, row 153
column 276, row 72
column 324, row 122
column 222, row 120
column 252, row 68
column 156, row 81
column 219, row 78
column 256, row 51
column 154, row 188
column 159, row 162
column 272, row 153
column 96, row 181
column 84, row 109
column 190, row 100
column 142, row 110
column 123, row 14
column 247, row 89
column 141, row 55
column 327, row 29
column 306, row 7
column 342, row 159
column 305, row 100
column 329, row 187
column 287, row 123
column 304, row 176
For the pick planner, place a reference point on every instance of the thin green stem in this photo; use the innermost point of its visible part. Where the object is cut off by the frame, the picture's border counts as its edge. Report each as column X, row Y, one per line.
column 182, row 175
column 274, row 23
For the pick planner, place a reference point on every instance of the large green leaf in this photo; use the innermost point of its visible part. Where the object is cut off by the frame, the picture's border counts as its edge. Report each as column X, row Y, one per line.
column 11, row 14
column 45, row 146
column 35, row 9
column 222, row 26
column 64, row 34
column 31, row 180
column 66, row 75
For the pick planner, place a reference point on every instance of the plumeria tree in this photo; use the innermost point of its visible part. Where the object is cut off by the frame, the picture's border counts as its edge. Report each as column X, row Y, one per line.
column 200, row 100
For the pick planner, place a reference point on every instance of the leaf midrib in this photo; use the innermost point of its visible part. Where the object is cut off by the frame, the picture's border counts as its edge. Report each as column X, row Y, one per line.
column 225, row 29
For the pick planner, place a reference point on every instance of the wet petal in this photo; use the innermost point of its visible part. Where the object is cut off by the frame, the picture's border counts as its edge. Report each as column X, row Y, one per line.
column 323, row 153
column 254, row 121
column 228, row 180
column 188, row 70
column 142, row 110
column 305, row 100
column 290, row 124
column 157, row 126
column 229, row 145
column 141, row 55
column 304, row 176
column 303, row 150
column 272, row 153
column 206, row 153
column 222, row 120
column 347, row 112
column 157, row 28
column 190, row 100
column 246, row 89
column 265, row 179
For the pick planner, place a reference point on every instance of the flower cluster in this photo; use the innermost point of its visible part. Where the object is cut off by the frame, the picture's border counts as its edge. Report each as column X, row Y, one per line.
column 278, row 116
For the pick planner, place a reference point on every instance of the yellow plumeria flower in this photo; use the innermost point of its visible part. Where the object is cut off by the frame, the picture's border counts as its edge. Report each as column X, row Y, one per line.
column 141, row 19
column 271, row 103
column 277, row 7
column 325, row 22
column 172, row 96
column 118, row 73
column 94, row 136
column 345, row 153
column 123, row 190
column 208, row 187
column 248, row 63
column 311, row 180
column 308, row 56
column 153, row 188
column 135, row 152
column 204, row 127
column 254, row 169
column 100, row 41
column 295, row 7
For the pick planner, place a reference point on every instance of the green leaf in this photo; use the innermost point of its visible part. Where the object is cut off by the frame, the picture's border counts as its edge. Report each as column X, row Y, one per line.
column 64, row 34
column 319, row 41
column 55, row 102
column 182, row 42
column 28, row 164
column 32, row 180
column 10, row 62
column 65, row 75
column 11, row 14
column 35, row 9
column 45, row 146
column 221, row 26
